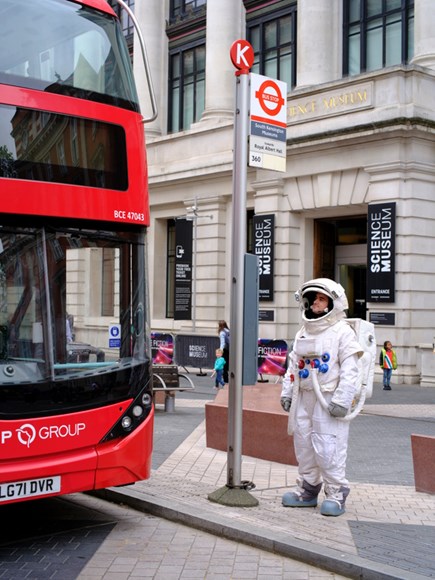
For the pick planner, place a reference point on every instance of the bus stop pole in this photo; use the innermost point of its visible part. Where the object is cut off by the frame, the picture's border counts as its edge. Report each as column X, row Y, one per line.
column 235, row 397
column 234, row 494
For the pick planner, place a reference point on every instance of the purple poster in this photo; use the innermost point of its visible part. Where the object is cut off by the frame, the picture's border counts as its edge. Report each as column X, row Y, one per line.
column 162, row 348
column 272, row 357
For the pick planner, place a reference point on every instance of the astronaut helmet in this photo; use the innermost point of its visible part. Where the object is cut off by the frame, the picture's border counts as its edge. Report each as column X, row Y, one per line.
column 335, row 293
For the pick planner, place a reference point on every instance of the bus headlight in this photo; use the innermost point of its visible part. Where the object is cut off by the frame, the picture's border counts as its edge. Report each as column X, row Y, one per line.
column 126, row 422
column 146, row 399
column 137, row 411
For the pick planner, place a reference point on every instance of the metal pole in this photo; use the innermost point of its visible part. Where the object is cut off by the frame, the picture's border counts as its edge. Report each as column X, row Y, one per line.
column 195, row 248
column 233, row 493
column 235, row 402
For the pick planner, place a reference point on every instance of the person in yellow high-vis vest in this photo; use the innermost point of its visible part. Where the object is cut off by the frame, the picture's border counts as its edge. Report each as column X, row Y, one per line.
column 388, row 363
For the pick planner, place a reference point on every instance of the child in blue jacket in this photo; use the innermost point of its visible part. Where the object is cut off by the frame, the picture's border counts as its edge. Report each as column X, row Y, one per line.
column 219, row 369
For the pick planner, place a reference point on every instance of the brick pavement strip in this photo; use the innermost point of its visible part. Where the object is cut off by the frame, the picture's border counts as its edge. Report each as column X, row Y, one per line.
column 143, row 546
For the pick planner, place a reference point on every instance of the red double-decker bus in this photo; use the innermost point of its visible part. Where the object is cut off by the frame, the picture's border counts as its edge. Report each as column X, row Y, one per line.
column 76, row 407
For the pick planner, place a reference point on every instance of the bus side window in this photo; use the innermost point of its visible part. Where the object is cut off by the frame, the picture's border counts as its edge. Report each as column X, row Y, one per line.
column 3, row 342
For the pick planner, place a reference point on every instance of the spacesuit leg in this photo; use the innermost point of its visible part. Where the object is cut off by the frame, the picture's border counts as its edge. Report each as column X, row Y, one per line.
column 310, row 479
column 330, row 441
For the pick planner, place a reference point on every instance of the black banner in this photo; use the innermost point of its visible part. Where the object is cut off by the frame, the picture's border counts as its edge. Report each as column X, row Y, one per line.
column 183, row 270
column 263, row 248
column 196, row 351
column 381, row 230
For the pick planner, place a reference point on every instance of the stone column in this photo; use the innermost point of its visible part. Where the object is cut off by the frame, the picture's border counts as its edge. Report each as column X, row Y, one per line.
column 225, row 24
column 151, row 17
column 319, row 38
column 270, row 198
column 211, row 282
column 424, row 37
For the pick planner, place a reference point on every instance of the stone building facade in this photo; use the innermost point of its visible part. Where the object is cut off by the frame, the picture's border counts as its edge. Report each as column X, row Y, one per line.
column 360, row 134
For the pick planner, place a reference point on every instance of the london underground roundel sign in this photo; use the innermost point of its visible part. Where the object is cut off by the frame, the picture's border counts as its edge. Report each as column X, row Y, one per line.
column 242, row 55
column 270, row 98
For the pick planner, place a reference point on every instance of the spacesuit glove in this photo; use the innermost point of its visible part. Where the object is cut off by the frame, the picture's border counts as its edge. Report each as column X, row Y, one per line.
column 337, row 410
column 286, row 403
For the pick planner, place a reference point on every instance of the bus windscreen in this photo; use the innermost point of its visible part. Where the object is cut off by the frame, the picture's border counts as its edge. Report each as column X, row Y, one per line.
column 63, row 47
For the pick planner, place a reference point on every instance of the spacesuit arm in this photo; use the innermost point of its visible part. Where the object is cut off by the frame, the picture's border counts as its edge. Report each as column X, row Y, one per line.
column 287, row 382
column 348, row 382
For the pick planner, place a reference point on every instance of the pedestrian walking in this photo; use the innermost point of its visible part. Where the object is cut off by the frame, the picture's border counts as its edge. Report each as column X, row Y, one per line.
column 224, row 345
column 219, row 366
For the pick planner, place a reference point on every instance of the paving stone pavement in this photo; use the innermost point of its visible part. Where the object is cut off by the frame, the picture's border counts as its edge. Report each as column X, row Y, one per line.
column 51, row 537
column 388, row 530
column 145, row 546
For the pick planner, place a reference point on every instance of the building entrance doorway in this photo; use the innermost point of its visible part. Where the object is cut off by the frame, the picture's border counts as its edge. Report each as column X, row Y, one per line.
column 340, row 253
column 351, row 273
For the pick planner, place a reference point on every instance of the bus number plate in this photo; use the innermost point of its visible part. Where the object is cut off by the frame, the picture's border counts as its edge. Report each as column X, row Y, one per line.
column 29, row 488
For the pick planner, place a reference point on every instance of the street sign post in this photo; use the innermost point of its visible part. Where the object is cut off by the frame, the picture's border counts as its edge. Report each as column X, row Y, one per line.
column 267, row 123
column 234, row 493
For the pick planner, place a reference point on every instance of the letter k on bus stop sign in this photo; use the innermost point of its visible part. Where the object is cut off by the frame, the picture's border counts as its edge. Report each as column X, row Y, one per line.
column 242, row 56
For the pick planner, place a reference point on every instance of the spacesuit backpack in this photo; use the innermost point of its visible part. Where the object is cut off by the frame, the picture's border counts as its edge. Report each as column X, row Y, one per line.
column 365, row 335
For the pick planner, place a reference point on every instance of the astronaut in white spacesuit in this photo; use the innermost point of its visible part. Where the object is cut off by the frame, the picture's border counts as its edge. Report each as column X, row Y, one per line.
column 326, row 345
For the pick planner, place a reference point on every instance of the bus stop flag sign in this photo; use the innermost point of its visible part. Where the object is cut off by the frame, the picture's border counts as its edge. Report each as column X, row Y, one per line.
column 268, row 123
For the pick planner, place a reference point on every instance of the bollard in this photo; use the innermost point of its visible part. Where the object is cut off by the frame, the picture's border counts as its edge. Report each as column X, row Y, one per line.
column 170, row 403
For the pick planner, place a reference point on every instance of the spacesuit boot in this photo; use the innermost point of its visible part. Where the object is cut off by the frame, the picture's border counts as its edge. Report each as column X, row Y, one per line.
column 305, row 495
column 336, row 496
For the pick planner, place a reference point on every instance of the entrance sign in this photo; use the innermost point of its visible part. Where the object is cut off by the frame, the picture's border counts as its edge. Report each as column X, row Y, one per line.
column 381, row 225
column 268, row 123
column 385, row 318
column 266, row 315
